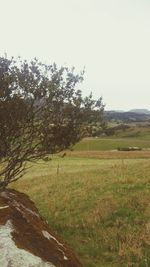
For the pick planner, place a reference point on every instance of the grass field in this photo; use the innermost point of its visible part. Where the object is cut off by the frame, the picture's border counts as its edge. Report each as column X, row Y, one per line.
column 90, row 144
column 99, row 202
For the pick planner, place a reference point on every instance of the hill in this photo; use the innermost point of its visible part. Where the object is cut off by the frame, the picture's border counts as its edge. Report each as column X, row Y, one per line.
column 129, row 116
column 140, row 111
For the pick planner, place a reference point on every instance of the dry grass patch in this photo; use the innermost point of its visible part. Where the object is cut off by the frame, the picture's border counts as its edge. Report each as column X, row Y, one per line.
column 110, row 154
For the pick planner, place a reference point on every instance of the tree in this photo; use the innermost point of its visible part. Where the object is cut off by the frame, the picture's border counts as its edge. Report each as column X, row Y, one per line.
column 41, row 113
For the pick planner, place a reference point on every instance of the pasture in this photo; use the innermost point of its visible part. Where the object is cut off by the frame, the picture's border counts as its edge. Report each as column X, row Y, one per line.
column 98, row 201
column 111, row 143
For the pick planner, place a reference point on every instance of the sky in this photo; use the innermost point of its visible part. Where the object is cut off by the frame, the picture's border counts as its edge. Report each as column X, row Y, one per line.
column 110, row 38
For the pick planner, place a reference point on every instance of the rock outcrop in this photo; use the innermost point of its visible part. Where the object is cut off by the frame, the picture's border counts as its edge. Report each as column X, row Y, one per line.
column 25, row 238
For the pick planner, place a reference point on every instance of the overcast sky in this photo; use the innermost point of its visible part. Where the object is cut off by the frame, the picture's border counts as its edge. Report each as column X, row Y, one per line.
column 111, row 38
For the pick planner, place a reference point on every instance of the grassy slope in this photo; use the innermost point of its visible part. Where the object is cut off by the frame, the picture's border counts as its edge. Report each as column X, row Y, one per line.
column 101, row 207
column 110, row 143
column 132, row 137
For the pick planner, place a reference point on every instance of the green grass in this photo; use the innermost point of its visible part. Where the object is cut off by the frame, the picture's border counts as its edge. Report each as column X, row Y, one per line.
column 141, row 131
column 97, row 144
column 100, row 207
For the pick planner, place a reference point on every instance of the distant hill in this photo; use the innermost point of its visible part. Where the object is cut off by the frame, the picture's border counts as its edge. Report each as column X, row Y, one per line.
column 127, row 116
column 115, row 111
column 140, row 111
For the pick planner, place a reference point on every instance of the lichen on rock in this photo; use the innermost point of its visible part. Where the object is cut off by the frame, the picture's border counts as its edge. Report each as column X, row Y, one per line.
column 26, row 239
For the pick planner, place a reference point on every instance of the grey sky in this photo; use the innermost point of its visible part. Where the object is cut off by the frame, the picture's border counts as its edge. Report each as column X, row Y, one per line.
column 111, row 38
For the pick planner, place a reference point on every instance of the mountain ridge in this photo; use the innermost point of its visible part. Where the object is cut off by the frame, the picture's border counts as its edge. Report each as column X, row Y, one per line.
column 140, row 111
column 137, row 111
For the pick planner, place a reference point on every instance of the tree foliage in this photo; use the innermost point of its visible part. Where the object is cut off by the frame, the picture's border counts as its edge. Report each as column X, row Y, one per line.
column 41, row 113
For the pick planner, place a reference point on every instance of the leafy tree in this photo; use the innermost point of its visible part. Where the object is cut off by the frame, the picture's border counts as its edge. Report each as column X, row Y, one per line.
column 41, row 113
